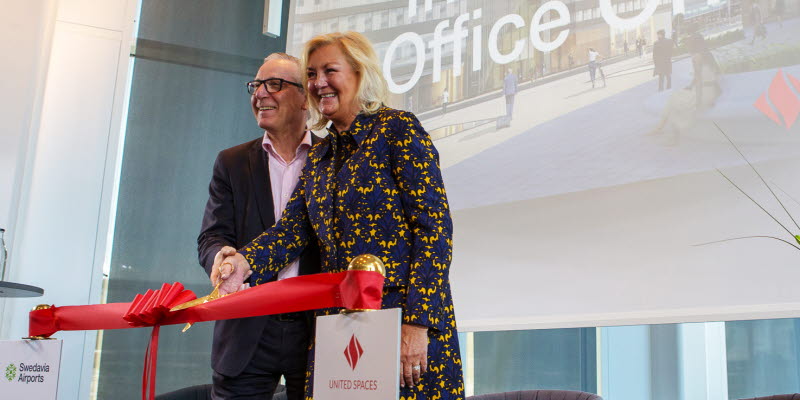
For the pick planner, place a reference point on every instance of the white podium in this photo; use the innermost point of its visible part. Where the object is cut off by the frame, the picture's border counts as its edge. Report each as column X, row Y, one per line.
column 30, row 369
column 357, row 356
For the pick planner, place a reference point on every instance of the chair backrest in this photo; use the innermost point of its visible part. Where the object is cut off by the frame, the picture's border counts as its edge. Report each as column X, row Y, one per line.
column 199, row 392
column 793, row 396
column 203, row 392
column 539, row 395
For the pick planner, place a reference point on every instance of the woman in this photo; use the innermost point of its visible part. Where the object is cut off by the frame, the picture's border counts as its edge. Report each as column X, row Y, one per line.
column 683, row 106
column 372, row 186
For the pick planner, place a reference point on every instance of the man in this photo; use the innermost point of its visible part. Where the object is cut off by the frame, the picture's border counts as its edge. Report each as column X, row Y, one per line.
column 662, row 60
column 510, row 90
column 759, row 29
column 595, row 64
column 250, row 186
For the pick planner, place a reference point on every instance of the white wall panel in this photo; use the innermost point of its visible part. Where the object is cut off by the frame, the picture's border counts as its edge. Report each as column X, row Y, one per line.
column 60, row 211
column 105, row 14
column 25, row 29
column 626, row 255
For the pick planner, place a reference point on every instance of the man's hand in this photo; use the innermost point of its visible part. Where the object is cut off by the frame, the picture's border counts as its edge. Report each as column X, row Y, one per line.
column 413, row 353
column 221, row 255
column 231, row 269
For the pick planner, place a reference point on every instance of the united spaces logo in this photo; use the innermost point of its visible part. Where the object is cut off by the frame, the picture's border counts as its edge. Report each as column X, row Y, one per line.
column 11, row 372
column 353, row 352
column 779, row 102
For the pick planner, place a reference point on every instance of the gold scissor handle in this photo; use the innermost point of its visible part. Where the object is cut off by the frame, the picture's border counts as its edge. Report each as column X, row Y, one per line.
column 196, row 302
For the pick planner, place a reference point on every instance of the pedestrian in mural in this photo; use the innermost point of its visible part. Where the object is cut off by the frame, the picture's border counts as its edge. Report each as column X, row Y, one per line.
column 510, row 90
column 759, row 29
column 625, row 47
column 595, row 65
column 662, row 60
column 780, row 7
column 639, row 46
column 410, row 104
column 445, row 100
column 755, row 20
column 684, row 106
column 571, row 60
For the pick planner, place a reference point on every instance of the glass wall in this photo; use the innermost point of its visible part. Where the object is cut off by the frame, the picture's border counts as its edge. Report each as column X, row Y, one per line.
column 535, row 359
column 188, row 101
column 763, row 357
column 691, row 361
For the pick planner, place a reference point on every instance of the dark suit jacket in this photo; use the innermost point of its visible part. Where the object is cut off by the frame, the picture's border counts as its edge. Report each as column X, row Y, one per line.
column 662, row 57
column 239, row 208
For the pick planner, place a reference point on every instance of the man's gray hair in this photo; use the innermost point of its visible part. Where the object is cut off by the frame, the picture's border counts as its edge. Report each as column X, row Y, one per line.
column 283, row 56
column 293, row 59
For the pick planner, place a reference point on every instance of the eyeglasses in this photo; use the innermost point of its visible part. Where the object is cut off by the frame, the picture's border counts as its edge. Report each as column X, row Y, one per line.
column 273, row 85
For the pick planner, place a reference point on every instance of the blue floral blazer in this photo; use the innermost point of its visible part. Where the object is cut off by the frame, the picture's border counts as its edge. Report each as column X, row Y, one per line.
column 390, row 202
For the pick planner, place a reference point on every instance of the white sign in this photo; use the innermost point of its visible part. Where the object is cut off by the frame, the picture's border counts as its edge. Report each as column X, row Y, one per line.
column 357, row 356
column 30, row 368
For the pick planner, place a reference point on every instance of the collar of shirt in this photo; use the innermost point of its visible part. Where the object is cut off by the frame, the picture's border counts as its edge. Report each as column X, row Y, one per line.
column 359, row 127
column 305, row 144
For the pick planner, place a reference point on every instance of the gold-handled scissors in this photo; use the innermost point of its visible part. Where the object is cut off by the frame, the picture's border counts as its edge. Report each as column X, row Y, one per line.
column 196, row 302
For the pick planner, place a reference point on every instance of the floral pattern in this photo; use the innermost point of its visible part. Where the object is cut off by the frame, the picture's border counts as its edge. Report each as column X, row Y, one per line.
column 377, row 189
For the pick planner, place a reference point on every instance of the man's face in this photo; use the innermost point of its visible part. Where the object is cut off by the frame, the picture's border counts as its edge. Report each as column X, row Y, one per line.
column 287, row 107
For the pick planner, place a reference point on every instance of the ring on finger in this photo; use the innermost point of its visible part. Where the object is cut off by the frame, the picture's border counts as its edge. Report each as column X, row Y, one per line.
column 416, row 368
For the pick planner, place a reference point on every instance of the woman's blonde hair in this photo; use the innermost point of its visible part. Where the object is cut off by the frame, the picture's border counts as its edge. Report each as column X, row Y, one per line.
column 373, row 91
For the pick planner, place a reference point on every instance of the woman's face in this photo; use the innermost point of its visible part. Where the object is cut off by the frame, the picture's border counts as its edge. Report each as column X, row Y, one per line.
column 333, row 84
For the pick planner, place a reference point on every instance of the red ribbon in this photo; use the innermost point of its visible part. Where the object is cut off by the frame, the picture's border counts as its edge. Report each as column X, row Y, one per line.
column 350, row 289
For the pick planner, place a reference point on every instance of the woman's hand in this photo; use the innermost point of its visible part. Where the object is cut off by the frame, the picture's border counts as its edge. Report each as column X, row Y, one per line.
column 413, row 353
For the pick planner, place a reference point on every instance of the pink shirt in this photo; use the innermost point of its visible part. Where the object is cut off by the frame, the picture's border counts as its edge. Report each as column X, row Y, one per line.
column 283, row 177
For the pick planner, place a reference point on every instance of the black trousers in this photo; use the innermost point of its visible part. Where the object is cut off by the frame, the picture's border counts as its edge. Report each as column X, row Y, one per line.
column 282, row 351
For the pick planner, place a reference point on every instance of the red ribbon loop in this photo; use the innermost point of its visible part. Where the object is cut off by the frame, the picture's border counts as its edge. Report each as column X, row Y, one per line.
column 152, row 307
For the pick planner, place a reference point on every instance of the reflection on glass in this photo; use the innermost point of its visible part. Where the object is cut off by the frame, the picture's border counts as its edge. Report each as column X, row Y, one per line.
column 713, row 360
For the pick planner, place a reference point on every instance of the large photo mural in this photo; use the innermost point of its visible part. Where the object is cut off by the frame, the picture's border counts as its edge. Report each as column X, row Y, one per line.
column 600, row 144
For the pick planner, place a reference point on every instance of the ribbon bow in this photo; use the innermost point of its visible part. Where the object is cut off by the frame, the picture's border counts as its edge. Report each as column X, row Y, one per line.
column 149, row 309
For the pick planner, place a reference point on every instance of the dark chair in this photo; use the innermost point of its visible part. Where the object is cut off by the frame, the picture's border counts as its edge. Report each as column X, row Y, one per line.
column 793, row 396
column 198, row 392
column 203, row 392
column 539, row 395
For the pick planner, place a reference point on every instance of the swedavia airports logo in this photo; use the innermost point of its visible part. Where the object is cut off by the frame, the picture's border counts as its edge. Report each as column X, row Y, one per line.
column 27, row 373
column 11, row 372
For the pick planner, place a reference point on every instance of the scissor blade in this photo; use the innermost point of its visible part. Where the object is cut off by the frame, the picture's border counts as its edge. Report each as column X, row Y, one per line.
column 200, row 300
